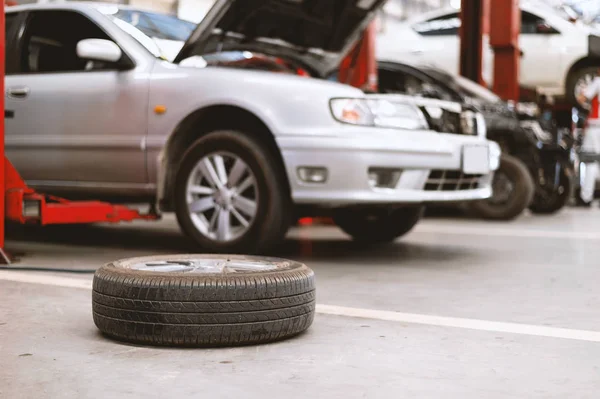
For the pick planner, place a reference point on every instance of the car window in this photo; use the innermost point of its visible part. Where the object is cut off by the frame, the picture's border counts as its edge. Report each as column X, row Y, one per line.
column 446, row 25
column 171, row 28
column 405, row 83
column 475, row 90
column 10, row 22
column 159, row 26
column 50, row 41
column 162, row 35
column 532, row 24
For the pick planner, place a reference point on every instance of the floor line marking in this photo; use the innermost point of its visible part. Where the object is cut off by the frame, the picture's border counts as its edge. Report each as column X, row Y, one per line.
column 469, row 324
column 45, row 279
column 505, row 232
column 384, row 315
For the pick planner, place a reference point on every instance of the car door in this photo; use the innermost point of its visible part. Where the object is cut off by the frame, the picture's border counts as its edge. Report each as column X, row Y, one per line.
column 74, row 122
column 542, row 52
column 12, row 22
column 439, row 42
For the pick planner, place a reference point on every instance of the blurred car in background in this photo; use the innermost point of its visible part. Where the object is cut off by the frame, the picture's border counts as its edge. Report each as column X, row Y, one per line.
column 97, row 109
column 535, row 169
column 558, row 56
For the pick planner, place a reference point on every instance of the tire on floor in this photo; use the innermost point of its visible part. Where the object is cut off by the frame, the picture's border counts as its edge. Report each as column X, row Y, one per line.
column 203, row 300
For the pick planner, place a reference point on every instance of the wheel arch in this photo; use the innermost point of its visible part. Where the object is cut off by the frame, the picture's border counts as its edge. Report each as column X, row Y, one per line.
column 505, row 139
column 201, row 122
column 584, row 62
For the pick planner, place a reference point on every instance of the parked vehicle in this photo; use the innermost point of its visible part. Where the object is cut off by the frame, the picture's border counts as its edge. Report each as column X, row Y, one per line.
column 558, row 55
column 535, row 168
column 97, row 110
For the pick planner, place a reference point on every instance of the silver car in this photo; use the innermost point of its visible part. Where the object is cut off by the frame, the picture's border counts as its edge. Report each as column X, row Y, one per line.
column 96, row 107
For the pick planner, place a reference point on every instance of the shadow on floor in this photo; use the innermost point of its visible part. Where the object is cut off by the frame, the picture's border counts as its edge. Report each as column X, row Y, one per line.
column 158, row 239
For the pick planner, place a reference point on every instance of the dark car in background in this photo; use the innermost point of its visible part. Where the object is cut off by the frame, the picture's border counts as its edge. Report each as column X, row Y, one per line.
column 536, row 167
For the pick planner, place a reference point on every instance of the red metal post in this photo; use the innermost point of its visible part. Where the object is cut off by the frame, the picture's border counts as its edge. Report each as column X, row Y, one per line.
column 3, row 258
column 359, row 68
column 505, row 27
column 473, row 26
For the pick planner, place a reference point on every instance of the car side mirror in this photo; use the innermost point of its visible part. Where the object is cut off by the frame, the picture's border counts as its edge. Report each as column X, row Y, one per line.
column 99, row 50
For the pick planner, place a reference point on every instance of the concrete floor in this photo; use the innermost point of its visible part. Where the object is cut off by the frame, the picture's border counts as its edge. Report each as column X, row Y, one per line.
column 539, row 273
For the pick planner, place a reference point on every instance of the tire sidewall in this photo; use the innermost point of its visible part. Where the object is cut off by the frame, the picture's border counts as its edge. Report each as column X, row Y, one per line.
column 558, row 200
column 269, row 202
column 521, row 198
column 400, row 222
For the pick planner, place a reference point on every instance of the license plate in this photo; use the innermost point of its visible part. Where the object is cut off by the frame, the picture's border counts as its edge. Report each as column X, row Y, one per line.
column 476, row 160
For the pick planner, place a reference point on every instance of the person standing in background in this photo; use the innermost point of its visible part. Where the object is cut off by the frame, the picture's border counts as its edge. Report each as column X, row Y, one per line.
column 591, row 140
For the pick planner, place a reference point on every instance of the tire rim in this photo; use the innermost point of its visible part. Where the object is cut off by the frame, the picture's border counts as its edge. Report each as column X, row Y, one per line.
column 205, row 266
column 583, row 82
column 502, row 189
column 222, row 196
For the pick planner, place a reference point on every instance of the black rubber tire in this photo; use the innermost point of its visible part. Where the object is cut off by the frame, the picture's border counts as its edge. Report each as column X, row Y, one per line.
column 203, row 309
column 272, row 220
column 572, row 81
column 377, row 225
column 521, row 198
column 544, row 205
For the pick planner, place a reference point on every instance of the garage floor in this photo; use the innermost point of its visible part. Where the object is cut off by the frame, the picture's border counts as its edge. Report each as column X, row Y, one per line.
column 458, row 309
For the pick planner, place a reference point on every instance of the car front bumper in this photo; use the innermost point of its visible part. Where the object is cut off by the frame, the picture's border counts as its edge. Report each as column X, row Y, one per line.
column 429, row 166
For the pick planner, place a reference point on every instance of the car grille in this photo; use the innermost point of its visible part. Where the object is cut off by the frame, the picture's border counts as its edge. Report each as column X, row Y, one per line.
column 451, row 180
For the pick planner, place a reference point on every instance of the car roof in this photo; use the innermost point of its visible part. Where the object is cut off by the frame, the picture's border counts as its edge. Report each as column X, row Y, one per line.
column 432, row 14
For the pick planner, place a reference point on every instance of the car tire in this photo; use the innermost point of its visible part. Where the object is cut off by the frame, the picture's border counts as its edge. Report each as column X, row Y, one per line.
column 572, row 81
column 519, row 199
column 377, row 225
column 549, row 203
column 203, row 300
column 267, row 198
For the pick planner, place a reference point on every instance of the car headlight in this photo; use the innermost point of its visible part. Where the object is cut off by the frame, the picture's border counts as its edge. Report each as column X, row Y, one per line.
column 473, row 124
column 468, row 123
column 378, row 113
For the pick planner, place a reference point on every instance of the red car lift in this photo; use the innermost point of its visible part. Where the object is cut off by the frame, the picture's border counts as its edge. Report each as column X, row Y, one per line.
column 22, row 204
column 503, row 24
column 3, row 257
column 472, row 28
column 505, row 28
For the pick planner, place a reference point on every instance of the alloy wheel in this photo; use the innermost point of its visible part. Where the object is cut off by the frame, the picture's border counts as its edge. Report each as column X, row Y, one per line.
column 222, row 196
column 583, row 82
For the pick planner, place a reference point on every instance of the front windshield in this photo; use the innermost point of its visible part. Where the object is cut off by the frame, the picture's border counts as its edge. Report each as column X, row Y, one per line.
column 464, row 86
column 475, row 90
column 163, row 35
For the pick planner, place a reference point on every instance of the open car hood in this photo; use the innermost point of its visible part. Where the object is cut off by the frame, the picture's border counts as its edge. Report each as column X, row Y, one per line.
column 317, row 32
